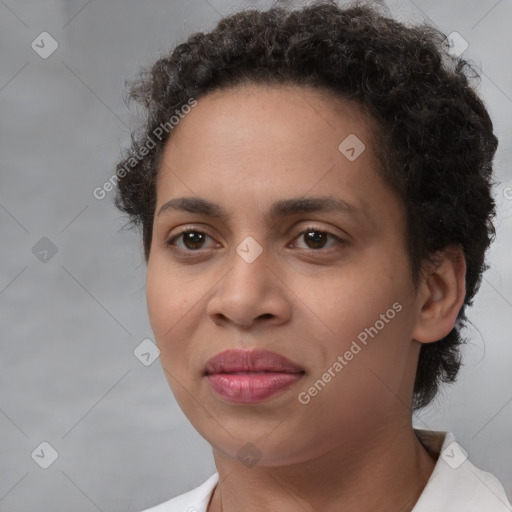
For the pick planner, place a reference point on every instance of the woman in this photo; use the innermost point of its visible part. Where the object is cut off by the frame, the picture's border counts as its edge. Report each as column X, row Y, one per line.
column 313, row 187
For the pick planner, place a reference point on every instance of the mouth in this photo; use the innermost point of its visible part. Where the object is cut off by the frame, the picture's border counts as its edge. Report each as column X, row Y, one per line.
column 250, row 361
column 242, row 376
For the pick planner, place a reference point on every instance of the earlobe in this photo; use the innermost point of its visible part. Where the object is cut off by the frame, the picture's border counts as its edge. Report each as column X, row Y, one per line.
column 441, row 295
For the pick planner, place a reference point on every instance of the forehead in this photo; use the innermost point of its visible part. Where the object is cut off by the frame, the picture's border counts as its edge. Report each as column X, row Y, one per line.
column 258, row 125
column 264, row 108
column 257, row 144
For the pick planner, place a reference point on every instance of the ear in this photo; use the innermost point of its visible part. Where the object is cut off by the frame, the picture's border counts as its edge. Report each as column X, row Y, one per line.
column 440, row 295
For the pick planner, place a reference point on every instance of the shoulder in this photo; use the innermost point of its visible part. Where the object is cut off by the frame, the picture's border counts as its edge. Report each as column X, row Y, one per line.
column 456, row 484
column 195, row 500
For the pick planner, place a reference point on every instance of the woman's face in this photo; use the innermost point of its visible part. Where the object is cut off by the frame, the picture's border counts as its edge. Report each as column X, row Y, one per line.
column 328, row 288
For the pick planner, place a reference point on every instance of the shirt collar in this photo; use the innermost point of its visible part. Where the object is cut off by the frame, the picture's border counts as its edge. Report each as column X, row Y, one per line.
column 455, row 483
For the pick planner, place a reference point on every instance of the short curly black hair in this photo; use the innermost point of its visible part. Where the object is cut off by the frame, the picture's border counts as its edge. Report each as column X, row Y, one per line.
column 435, row 138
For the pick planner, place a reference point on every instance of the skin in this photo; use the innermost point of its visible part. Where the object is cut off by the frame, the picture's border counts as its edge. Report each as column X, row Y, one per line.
column 352, row 447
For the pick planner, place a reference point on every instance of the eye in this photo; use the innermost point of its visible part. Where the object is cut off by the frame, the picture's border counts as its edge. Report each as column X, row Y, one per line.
column 316, row 238
column 192, row 239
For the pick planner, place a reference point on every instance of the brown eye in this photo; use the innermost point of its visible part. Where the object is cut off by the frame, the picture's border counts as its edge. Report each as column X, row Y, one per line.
column 317, row 239
column 191, row 239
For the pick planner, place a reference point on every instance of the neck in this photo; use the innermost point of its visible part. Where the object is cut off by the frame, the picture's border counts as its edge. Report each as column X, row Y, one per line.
column 387, row 473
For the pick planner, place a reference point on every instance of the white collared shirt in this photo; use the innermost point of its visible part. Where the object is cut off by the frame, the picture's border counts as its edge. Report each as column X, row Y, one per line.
column 455, row 485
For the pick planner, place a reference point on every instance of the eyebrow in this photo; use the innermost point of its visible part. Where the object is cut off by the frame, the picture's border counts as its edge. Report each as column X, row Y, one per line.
column 281, row 208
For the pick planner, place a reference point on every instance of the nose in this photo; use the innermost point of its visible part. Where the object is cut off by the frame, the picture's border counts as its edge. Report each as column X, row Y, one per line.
column 249, row 294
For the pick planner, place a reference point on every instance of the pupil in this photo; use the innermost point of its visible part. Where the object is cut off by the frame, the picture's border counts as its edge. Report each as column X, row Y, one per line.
column 193, row 238
column 318, row 240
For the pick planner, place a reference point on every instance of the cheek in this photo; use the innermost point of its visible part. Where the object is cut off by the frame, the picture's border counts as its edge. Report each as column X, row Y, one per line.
column 166, row 301
column 157, row 300
column 169, row 292
column 371, row 325
column 355, row 301
column 175, row 302
column 167, row 311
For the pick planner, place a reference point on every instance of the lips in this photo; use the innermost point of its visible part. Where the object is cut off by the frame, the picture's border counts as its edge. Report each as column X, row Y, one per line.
column 256, row 360
column 247, row 377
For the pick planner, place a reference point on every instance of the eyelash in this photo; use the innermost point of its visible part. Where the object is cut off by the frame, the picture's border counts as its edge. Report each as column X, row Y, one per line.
column 191, row 229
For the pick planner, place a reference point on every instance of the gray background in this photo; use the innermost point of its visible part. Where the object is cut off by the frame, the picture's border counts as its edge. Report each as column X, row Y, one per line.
column 69, row 326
